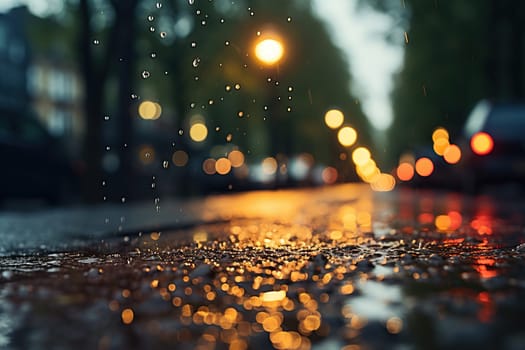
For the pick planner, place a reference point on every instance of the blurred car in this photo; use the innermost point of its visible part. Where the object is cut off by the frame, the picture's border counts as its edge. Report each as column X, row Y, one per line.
column 494, row 145
column 33, row 163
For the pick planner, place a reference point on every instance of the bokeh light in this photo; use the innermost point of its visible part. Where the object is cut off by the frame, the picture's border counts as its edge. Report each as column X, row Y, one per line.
column 334, row 118
column 329, row 175
column 198, row 132
column 347, row 136
column 208, row 166
column 405, row 171
column 452, row 154
column 269, row 166
column 180, row 158
column 360, row 156
column 383, row 183
column 440, row 133
column 223, row 166
column 236, row 158
column 269, row 51
column 150, row 110
column 424, row 166
column 440, row 145
column 481, row 143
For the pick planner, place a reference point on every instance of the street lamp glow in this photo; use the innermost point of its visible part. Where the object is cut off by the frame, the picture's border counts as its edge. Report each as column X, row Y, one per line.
column 269, row 51
column 334, row 118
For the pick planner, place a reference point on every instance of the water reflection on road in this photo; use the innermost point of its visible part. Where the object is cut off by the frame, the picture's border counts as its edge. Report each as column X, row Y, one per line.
column 338, row 267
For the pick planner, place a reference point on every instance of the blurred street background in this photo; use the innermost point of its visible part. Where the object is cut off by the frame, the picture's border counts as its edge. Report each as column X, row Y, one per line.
column 110, row 101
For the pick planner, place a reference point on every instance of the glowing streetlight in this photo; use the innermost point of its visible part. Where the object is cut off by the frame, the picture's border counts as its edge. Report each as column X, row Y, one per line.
column 269, row 51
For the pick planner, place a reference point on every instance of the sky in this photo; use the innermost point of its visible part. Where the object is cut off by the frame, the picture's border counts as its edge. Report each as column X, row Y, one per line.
column 359, row 33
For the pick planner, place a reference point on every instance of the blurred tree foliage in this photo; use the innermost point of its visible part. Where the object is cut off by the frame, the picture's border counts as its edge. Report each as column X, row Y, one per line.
column 456, row 53
column 197, row 57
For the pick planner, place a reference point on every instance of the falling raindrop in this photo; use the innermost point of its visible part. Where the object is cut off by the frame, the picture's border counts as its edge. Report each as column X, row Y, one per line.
column 152, row 29
column 162, row 35
column 165, row 164
column 158, row 5
column 145, row 74
column 196, row 62
column 151, row 18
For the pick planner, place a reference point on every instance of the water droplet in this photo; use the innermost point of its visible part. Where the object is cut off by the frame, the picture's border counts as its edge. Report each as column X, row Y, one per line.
column 210, row 102
column 106, row 117
column 198, row 12
column 145, row 74
column 227, row 88
column 123, row 199
column 96, row 42
column 227, row 43
column 152, row 29
column 222, row 20
column 258, row 33
column 181, row 132
column 151, row 18
column 165, row 164
column 193, row 44
column 192, row 105
column 252, row 13
column 240, row 114
column 290, row 88
column 108, row 148
column 265, row 108
column 191, row 2
column 269, row 79
column 153, row 55
column 158, row 5
column 153, row 185
column 196, row 62
column 134, row 96
column 237, row 86
column 217, row 128
column 103, row 183
column 289, row 19
column 196, row 78
column 229, row 137
column 203, row 22
column 289, row 109
column 163, row 35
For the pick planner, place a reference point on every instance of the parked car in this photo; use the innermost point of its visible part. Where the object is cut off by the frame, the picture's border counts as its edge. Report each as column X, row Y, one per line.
column 34, row 165
column 494, row 144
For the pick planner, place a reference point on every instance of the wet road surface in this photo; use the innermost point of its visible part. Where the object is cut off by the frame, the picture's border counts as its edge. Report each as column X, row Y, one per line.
column 333, row 268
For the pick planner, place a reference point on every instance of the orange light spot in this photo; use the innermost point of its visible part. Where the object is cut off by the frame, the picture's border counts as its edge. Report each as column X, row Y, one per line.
column 405, row 172
column 424, row 166
column 439, row 133
column 481, row 143
column 426, row 218
column 440, row 145
column 443, row 222
column 127, row 316
column 452, row 154
column 223, row 166
column 455, row 219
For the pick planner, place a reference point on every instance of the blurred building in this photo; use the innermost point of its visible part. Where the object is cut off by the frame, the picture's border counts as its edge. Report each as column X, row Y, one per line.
column 55, row 92
column 38, row 79
column 14, row 62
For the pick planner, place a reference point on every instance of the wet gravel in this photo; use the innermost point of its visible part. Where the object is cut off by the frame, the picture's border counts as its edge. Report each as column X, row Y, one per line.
column 337, row 270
